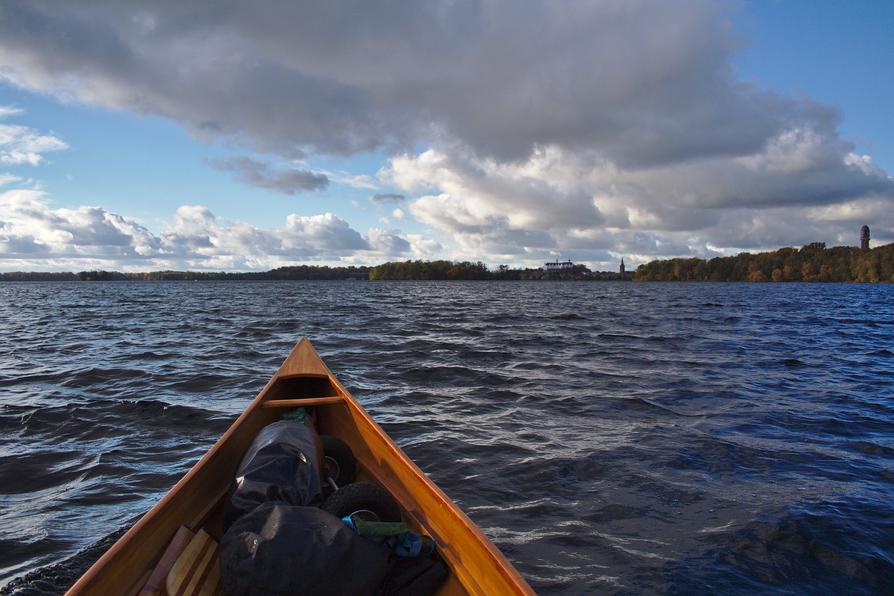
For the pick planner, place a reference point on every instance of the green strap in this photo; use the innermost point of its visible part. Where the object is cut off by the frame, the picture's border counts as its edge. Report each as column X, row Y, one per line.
column 299, row 414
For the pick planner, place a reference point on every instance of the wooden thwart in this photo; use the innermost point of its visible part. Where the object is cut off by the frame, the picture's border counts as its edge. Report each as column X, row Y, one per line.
column 307, row 401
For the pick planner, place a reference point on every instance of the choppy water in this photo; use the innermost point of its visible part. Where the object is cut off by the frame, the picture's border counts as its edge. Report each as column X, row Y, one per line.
column 609, row 437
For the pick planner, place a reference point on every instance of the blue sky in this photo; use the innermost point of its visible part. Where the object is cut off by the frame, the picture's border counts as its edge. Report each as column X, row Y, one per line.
column 147, row 166
column 837, row 52
column 613, row 136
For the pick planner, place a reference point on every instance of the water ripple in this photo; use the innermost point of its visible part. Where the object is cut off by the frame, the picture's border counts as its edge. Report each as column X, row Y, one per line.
column 610, row 438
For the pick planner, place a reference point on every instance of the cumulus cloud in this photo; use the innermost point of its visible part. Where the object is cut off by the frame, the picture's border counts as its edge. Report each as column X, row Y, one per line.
column 33, row 235
column 31, row 228
column 388, row 242
column 579, row 205
column 260, row 174
column 326, row 231
column 424, row 247
column 21, row 145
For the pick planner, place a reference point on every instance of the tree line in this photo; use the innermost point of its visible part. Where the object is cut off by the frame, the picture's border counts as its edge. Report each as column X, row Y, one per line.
column 812, row 263
column 429, row 270
column 405, row 270
column 467, row 270
column 296, row 272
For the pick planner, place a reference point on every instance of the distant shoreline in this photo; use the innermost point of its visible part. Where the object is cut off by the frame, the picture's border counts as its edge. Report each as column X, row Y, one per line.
column 346, row 279
column 811, row 263
column 407, row 270
column 37, row 277
column 351, row 280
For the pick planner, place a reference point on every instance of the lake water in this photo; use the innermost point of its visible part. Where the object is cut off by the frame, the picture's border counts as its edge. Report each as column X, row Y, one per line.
column 609, row 437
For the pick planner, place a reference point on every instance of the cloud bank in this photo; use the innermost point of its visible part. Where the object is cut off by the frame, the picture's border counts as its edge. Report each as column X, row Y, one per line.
column 34, row 236
column 581, row 206
column 586, row 129
column 646, row 83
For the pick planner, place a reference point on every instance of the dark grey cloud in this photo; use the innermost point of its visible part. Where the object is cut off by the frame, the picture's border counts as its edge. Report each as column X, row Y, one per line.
column 642, row 82
column 260, row 174
column 387, row 197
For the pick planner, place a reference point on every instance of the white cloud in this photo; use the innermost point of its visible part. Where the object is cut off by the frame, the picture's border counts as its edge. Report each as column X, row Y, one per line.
column 562, row 203
column 8, row 179
column 398, row 213
column 21, row 145
column 7, row 111
column 388, row 242
column 35, row 236
column 322, row 232
column 354, row 180
column 425, row 248
column 31, row 228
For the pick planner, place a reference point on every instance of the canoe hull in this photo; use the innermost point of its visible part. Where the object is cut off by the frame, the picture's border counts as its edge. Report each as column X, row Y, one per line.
column 196, row 501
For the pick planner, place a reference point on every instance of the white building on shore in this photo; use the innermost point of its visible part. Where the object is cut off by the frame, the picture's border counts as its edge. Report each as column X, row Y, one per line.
column 558, row 266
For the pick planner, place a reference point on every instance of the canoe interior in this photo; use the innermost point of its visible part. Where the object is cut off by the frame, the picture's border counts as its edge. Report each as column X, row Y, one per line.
column 197, row 500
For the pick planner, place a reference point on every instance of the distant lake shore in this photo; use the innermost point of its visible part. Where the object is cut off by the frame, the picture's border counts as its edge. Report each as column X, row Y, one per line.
column 353, row 280
column 811, row 263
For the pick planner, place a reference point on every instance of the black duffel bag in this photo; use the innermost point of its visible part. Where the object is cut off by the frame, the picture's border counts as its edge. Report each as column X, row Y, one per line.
column 279, row 467
column 283, row 549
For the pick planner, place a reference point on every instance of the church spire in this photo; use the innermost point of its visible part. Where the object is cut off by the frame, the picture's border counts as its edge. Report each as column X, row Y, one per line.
column 622, row 269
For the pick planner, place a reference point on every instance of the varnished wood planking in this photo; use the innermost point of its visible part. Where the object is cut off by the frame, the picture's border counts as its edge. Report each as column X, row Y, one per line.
column 196, row 571
column 125, row 562
column 176, row 547
column 303, row 360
